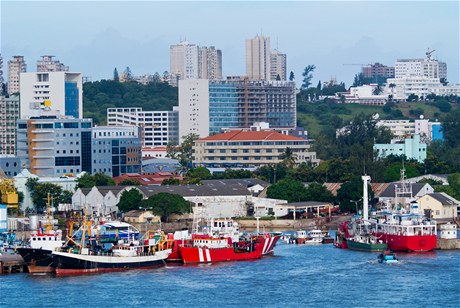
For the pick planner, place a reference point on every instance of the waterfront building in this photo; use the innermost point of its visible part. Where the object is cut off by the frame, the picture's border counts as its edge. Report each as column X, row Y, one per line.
column 9, row 114
column 278, row 65
column 59, row 91
column 258, row 58
column 16, row 66
column 440, row 205
column 159, row 128
column 98, row 201
column 210, row 107
column 242, row 149
column 412, row 148
column 415, row 191
column 48, row 64
column 52, row 146
column 402, row 129
column 116, row 150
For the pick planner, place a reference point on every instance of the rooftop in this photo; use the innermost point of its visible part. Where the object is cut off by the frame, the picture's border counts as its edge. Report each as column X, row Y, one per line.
column 240, row 135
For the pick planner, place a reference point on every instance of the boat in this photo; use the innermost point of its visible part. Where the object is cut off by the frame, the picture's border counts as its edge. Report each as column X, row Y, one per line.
column 312, row 237
column 387, row 257
column 219, row 233
column 366, row 243
column 113, row 231
column 341, row 235
column 37, row 255
column 78, row 259
column 327, row 239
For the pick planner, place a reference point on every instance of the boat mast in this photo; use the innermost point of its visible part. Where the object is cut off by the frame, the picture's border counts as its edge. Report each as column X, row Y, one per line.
column 366, row 179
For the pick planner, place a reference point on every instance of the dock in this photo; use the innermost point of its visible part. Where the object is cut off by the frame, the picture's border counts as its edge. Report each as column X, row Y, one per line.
column 11, row 263
column 448, row 244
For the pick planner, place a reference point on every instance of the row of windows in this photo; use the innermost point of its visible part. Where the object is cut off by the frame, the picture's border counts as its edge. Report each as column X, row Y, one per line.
column 70, row 151
column 253, row 143
column 58, row 171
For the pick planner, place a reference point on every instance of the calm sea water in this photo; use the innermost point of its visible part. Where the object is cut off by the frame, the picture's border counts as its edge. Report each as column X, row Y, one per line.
column 316, row 276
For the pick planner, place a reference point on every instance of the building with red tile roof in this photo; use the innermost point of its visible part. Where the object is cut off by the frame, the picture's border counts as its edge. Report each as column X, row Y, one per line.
column 242, row 149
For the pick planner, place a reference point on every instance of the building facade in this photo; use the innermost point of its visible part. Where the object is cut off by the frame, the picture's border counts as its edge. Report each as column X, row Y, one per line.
column 242, row 149
column 210, row 107
column 402, row 129
column 183, row 62
column 440, row 205
column 9, row 109
column 48, row 64
column 258, row 58
column 428, row 68
column 16, row 66
column 61, row 92
column 159, row 128
column 378, row 70
column 210, row 63
column 278, row 65
column 421, row 86
column 412, row 148
column 116, row 150
column 51, row 147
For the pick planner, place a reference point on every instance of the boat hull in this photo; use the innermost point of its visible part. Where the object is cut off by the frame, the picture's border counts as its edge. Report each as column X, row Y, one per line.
column 268, row 243
column 206, row 255
column 419, row 243
column 354, row 245
column 37, row 260
column 75, row 264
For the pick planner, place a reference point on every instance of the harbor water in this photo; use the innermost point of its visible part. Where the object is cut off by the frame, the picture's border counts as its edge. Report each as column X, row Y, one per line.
column 314, row 276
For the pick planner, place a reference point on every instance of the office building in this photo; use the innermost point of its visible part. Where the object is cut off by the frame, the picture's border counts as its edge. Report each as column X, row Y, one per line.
column 16, row 66
column 48, row 64
column 258, row 58
column 183, row 62
column 159, row 128
column 427, row 67
column 52, row 146
column 9, row 114
column 61, row 92
column 116, row 150
column 209, row 107
column 277, row 65
column 249, row 149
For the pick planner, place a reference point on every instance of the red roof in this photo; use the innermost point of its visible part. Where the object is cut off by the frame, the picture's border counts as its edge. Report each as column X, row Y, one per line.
column 251, row 136
column 147, row 178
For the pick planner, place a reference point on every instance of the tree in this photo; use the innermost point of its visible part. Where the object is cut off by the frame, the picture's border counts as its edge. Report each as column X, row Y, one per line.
column 359, row 80
column 186, row 149
column 288, row 157
column 128, row 75
column 39, row 193
column 307, row 76
column 444, row 81
column 115, row 75
column 170, row 181
column 129, row 182
column 165, row 76
column 196, row 175
column 233, row 174
column 351, row 191
column 291, row 76
column 378, row 89
column 129, row 200
column 165, row 204
column 278, row 77
column 172, row 150
column 86, row 180
column 287, row 189
column 451, row 128
column 318, row 192
column 99, row 179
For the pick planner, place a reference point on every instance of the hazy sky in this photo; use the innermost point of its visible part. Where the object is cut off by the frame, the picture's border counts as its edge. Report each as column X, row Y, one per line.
column 95, row 37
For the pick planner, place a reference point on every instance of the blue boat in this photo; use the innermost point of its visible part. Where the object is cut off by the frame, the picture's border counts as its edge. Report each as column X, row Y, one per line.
column 387, row 257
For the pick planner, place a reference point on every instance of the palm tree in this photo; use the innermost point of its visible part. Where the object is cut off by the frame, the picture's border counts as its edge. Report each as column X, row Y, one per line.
column 288, row 158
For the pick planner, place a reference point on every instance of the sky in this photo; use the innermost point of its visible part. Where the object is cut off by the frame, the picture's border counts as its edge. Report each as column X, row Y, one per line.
column 94, row 37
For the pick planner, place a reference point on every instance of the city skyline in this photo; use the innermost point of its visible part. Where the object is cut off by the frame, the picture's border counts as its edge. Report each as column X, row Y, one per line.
column 95, row 37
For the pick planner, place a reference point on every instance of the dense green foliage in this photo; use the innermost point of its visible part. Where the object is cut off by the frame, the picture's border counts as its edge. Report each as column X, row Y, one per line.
column 40, row 191
column 100, row 95
column 165, row 204
column 453, row 189
column 129, row 200
column 99, row 179
column 295, row 191
column 129, row 182
column 350, row 194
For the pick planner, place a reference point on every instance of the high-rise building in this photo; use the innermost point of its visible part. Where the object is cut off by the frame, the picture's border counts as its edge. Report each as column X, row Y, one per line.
column 47, row 64
column 55, row 145
column 277, row 65
column 9, row 114
column 159, row 128
column 208, row 107
column 16, row 66
column 210, row 62
column 61, row 92
column 428, row 67
column 183, row 62
column 1, row 75
column 378, row 70
column 258, row 58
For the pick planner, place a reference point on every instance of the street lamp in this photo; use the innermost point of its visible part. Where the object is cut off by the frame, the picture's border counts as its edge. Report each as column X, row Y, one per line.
column 356, row 204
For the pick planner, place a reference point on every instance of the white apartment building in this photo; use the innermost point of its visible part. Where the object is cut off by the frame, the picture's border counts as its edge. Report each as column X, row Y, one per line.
column 16, row 66
column 61, row 92
column 158, row 127
column 210, row 63
column 258, row 58
column 1, row 74
column 420, row 67
column 183, row 62
column 194, row 107
column 246, row 149
column 417, row 85
column 9, row 114
column 48, row 64
column 403, row 129
column 277, row 65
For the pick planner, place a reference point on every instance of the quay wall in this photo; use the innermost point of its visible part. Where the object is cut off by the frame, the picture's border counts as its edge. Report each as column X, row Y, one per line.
column 448, row 244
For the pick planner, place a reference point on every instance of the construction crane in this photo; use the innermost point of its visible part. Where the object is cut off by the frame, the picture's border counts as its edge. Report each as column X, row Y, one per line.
column 9, row 194
column 428, row 53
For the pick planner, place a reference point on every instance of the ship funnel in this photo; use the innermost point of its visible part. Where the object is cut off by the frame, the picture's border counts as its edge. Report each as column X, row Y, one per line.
column 366, row 179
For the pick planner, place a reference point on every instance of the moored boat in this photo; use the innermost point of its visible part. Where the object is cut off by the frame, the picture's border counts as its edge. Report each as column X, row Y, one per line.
column 366, row 243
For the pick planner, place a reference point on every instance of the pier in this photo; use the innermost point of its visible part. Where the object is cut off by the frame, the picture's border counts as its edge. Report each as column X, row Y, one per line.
column 11, row 263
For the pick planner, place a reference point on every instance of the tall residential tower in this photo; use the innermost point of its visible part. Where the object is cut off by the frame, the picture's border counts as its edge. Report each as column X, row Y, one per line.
column 258, row 58
column 16, row 66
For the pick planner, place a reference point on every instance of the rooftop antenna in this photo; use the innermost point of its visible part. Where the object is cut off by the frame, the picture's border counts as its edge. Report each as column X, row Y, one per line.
column 277, row 42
